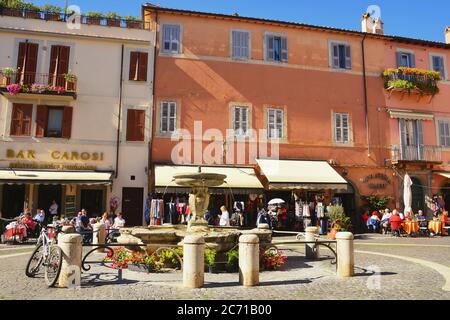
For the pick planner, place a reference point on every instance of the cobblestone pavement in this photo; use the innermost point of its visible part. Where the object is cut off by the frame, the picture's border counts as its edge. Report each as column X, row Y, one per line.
column 300, row 279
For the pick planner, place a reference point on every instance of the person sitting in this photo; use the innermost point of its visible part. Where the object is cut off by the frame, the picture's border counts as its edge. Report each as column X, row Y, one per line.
column 385, row 226
column 119, row 221
column 408, row 215
column 85, row 229
column 28, row 222
column 373, row 222
column 421, row 219
column 396, row 223
column 444, row 218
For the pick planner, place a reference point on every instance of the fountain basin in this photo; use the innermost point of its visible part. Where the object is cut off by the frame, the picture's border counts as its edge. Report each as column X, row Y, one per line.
column 199, row 179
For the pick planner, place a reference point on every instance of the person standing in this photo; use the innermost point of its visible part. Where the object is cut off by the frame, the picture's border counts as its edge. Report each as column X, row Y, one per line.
column 53, row 210
column 263, row 217
column 224, row 217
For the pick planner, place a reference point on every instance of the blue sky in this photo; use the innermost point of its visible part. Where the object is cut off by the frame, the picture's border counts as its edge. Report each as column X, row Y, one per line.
column 421, row 19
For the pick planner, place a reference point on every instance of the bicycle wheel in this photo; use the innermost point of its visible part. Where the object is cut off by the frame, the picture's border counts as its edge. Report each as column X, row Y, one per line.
column 53, row 265
column 35, row 261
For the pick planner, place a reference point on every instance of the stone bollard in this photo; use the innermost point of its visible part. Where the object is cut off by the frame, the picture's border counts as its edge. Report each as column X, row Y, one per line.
column 311, row 250
column 99, row 235
column 72, row 249
column 68, row 229
column 193, row 261
column 263, row 226
column 249, row 260
column 345, row 254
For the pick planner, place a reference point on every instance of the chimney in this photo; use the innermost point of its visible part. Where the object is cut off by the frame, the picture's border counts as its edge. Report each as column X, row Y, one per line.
column 371, row 25
column 447, row 35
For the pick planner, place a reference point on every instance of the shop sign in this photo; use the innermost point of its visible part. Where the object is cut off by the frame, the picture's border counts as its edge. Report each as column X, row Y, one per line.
column 51, row 166
column 56, row 155
column 377, row 181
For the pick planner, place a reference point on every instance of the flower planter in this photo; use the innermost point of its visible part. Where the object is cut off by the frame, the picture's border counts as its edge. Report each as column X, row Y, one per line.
column 5, row 81
column 138, row 268
column 11, row 12
column 332, row 234
column 93, row 21
column 49, row 16
column 134, row 24
column 113, row 22
column 70, row 86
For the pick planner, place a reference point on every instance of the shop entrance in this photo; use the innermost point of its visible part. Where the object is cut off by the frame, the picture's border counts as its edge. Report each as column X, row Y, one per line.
column 13, row 200
column 48, row 193
column 92, row 201
column 418, row 197
column 132, row 206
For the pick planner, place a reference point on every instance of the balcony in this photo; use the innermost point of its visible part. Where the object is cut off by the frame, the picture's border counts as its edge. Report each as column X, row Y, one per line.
column 420, row 154
column 61, row 17
column 28, row 84
column 411, row 81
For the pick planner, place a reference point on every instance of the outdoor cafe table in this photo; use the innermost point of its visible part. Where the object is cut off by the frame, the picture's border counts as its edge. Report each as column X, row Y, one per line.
column 437, row 227
column 15, row 233
column 411, row 227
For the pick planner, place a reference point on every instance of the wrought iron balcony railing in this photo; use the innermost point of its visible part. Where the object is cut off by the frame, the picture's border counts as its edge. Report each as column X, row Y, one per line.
column 419, row 153
column 37, row 83
column 412, row 80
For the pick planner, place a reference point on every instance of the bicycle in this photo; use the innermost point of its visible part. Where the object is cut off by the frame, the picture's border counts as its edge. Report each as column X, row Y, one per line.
column 46, row 254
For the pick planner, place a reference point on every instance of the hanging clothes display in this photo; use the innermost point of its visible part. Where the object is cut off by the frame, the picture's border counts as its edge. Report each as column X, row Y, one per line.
column 156, row 212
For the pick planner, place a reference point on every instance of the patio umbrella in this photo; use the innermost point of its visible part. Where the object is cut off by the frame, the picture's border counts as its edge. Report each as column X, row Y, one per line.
column 407, row 194
column 276, row 201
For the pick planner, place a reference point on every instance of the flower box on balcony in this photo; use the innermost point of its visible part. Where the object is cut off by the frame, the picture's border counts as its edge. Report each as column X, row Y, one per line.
column 412, row 80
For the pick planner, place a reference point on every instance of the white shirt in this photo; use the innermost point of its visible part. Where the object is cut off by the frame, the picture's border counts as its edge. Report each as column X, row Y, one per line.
column 119, row 223
column 225, row 219
column 53, row 209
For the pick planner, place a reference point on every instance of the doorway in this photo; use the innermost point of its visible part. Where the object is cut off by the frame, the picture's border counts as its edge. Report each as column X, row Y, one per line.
column 48, row 193
column 13, row 200
column 92, row 201
column 418, row 197
column 132, row 206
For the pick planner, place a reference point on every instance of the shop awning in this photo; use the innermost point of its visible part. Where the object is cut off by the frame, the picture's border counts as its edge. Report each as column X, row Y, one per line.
column 239, row 179
column 410, row 115
column 292, row 174
column 444, row 174
column 11, row 176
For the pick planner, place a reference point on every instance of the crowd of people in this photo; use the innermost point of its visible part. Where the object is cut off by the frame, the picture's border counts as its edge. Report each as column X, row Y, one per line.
column 393, row 221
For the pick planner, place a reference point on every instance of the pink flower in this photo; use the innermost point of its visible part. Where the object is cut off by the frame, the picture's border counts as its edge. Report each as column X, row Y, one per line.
column 14, row 88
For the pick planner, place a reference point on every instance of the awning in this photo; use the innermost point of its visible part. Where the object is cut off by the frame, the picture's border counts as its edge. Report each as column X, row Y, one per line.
column 241, row 180
column 11, row 176
column 291, row 175
column 444, row 174
column 410, row 115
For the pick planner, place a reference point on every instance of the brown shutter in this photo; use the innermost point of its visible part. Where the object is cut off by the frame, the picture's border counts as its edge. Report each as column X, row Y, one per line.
column 131, row 125
column 41, row 120
column 143, row 66
column 21, row 56
column 16, row 123
column 63, row 65
column 53, row 64
column 140, row 118
column 133, row 65
column 31, row 63
column 67, row 123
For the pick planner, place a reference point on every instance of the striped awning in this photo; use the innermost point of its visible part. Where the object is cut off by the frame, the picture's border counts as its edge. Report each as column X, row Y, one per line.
column 11, row 176
column 410, row 115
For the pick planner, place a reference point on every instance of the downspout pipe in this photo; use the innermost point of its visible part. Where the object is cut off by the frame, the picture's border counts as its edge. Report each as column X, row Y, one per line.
column 366, row 104
column 119, row 118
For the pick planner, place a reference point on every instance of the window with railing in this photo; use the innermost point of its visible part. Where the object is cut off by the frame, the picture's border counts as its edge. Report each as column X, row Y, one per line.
column 416, row 153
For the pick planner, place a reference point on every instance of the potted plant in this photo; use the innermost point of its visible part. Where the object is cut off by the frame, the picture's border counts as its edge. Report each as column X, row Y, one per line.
column 210, row 260
column 273, row 259
column 232, row 265
column 170, row 258
column 52, row 13
column 94, row 18
column 7, row 74
column 113, row 19
column 340, row 222
column 71, row 79
column 14, row 89
column 133, row 22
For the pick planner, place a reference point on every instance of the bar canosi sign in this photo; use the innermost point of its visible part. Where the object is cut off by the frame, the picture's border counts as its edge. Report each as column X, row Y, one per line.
column 56, row 155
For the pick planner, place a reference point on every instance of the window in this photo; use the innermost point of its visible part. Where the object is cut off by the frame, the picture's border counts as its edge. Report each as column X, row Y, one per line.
column 341, row 56
column 59, row 65
column 341, row 128
column 275, row 123
column 406, row 59
column 240, row 45
column 138, row 66
column 171, row 38
column 21, row 119
column 444, row 133
column 240, row 121
column 27, row 62
column 438, row 65
column 411, row 139
column 277, row 48
column 135, row 125
column 168, row 117
column 54, row 121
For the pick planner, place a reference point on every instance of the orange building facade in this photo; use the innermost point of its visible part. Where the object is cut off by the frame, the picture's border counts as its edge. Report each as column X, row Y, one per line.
column 319, row 90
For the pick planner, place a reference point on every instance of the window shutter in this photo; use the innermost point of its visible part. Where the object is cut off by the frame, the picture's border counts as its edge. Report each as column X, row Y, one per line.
column 348, row 57
column 166, row 38
column 175, row 39
column 21, row 119
column 345, row 128
column 172, row 116
column 21, row 56
column 413, row 60
column 131, row 125
column 143, row 66
column 237, row 120
column 399, row 59
column 133, row 65
column 31, row 63
column 140, row 125
column 53, row 70
column 270, row 122
column 164, row 116
column 335, row 55
column 63, row 65
column 270, row 48
column 244, row 120
column 67, row 123
column 284, row 49
column 41, row 120
column 280, row 123
column 337, row 128
column 16, row 124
